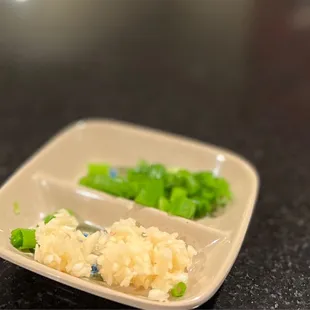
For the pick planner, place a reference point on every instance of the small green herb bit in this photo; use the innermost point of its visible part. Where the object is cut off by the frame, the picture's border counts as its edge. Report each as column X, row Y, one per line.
column 183, row 207
column 164, row 204
column 16, row 208
column 48, row 218
column 178, row 290
column 70, row 212
column 151, row 193
column 102, row 169
column 157, row 171
column 115, row 186
column 177, row 193
column 203, row 207
column 23, row 238
column 186, row 179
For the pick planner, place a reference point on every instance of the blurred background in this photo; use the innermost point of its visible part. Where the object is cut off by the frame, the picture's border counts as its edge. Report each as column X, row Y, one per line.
column 233, row 73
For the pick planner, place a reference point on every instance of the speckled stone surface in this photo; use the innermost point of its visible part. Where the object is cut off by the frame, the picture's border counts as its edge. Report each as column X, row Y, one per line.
column 205, row 69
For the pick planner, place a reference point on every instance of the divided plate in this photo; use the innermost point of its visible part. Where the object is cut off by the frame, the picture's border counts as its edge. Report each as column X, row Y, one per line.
column 47, row 182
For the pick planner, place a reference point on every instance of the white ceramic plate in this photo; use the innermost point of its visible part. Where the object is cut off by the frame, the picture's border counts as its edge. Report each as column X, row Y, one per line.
column 47, row 182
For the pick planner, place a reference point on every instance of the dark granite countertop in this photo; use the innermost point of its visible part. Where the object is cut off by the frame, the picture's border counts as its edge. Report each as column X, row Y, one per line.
column 233, row 73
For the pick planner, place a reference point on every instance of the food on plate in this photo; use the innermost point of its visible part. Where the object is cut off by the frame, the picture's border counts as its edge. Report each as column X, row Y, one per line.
column 190, row 195
column 16, row 208
column 125, row 254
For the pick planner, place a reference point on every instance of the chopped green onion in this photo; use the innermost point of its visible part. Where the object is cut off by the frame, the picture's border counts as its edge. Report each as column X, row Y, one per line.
column 179, row 192
column 102, row 169
column 115, row 186
column 142, row 166
column 164, row 204
column 16, row 208
column 70, row 212
column 203, row 207
column 157, row 171
column 187, row 180
column 178, row 290
column 23, row 239
column 48, row 218
column 151, row 193
column 183, row 207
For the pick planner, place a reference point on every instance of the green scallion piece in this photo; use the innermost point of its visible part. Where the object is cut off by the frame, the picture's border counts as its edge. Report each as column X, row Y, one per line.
column 150, row 194
column 23, row 238
column 164, row 204
column 70, row 212
column 179, row 192
column 16, row 208
column 98, row 169
column 178, row 290
column 48, row 218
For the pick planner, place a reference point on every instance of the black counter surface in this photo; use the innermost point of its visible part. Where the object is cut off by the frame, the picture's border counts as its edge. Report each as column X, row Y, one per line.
column 232, row 73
